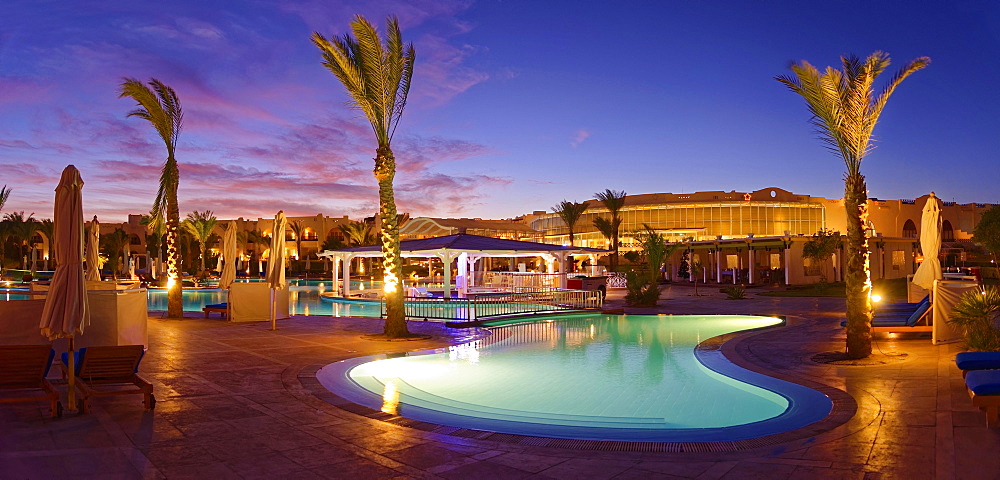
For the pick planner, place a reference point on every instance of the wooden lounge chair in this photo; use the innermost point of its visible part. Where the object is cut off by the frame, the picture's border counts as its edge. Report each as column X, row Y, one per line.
column 22, row 373
column 113, row 369
column 984, row 388
column 222, row 308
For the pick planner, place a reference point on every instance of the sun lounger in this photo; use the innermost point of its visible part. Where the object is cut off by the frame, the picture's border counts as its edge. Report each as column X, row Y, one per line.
column 984, row 388
column 895, row 309
column 23, row 369
column 967, row 361
column 113, row 369
column 902, row 322
column 221, row 308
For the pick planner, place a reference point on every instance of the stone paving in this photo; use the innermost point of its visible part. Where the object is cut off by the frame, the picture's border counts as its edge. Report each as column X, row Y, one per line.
column 232, row 403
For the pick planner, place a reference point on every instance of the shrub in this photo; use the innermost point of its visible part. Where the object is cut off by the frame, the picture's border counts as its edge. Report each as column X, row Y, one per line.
column 640, row 292
column 978, row 312
column 736, row 292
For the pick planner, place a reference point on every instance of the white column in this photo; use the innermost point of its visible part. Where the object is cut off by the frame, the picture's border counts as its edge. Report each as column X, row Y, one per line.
column 336, row 275
column 446, row 259
column 750, row 256
column 462, row 279
column 718, row 265
column 786, row 266
column 347, row 275
column 561, row 257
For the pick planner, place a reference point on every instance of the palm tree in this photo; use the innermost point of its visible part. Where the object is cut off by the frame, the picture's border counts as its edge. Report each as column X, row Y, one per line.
column 844, row 110
column 200, row 225
column 570, row 213
column 162, row 109
column 613, row 201
column 21, row 230
column 257, row 239
column 358, row 234
column 297, row 228
column 4, row 193
column 47, row 228
column 154, row 240
column 378, row 77
column 114, row 246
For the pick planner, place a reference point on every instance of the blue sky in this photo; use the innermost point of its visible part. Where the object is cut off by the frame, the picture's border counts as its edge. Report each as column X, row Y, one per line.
column 515, row 105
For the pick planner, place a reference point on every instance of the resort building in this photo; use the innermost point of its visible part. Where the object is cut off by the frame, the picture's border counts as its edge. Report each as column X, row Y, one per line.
column 757, row 237
column 736, row 237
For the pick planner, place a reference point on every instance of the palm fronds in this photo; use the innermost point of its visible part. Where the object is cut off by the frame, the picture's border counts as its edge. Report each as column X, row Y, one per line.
column 377, row 75
column 842, row 102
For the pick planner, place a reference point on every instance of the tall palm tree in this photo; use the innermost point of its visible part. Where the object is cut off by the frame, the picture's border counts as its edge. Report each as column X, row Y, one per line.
column 570, row 213
column 377, row 77
column 200, row 225
column 4, row 193
column 613, row 201
column 161, row 108
column 844, row 110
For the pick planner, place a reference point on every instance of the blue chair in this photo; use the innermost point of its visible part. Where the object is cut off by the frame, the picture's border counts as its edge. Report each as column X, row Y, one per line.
column 904, row 321
column 967, row 361
column 984, row 388
column 896, row 309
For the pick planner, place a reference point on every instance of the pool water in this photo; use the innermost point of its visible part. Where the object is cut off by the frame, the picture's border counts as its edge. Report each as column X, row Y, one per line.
column 303, row 299
column 596, row 377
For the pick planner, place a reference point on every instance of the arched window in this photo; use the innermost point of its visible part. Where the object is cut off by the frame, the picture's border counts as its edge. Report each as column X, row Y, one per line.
column 947, row 233
column 909, row 229
column 134, row 240
column 336, row 233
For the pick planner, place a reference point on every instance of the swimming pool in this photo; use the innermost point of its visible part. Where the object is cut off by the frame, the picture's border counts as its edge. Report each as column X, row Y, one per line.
column 303, row 299
column 593, row 377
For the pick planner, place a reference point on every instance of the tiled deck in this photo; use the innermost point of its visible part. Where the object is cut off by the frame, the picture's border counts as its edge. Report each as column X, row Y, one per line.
column 231, row 405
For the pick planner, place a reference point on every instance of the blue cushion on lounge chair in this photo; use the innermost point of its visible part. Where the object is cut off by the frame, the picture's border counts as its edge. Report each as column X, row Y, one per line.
column 978, row 360
column 983, row 382
column 78, row 359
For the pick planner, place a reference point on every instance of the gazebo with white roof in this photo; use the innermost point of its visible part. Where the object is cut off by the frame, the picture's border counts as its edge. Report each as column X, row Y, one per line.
column 467, row 249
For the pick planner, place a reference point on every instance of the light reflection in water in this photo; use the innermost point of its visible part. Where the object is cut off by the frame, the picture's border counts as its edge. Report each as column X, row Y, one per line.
column 390, row 398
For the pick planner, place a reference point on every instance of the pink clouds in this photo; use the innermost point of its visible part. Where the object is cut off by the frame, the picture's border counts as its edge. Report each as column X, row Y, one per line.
column 415, row 154
column 579, row 137
column 22, row 90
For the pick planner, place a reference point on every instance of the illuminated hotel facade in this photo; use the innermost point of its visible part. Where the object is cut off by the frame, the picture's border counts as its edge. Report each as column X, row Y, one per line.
column 747, row 237
column 758, row 237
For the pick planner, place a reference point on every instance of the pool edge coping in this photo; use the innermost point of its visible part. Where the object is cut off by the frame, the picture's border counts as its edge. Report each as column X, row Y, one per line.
column 845, row 407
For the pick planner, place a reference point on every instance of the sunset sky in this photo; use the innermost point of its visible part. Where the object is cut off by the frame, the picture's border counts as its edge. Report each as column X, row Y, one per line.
column 515, row 105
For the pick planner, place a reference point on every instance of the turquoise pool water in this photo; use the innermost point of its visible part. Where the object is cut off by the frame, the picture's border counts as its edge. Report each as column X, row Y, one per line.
column 597, row 377
column 304, row 299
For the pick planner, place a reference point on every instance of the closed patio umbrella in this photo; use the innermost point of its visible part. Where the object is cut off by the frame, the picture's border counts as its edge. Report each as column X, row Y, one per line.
column 930, row 243
column 65, row 313
column 93, row 251
column 229, row 253
column 276, row 263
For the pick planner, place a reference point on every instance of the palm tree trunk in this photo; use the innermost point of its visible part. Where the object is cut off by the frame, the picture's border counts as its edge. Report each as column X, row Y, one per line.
column 175, row 302
column 385, row 171
column 858, row 283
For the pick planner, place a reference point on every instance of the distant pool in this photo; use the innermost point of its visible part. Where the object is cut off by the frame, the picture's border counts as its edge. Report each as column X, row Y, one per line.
column 592, row 377
column 303, row 299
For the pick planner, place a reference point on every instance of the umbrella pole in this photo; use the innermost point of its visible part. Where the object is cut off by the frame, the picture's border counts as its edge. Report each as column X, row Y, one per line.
column 274, row 312
column 71, row 384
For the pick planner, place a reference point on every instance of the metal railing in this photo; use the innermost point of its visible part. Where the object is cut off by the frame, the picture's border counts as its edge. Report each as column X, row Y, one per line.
column 494, row 305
